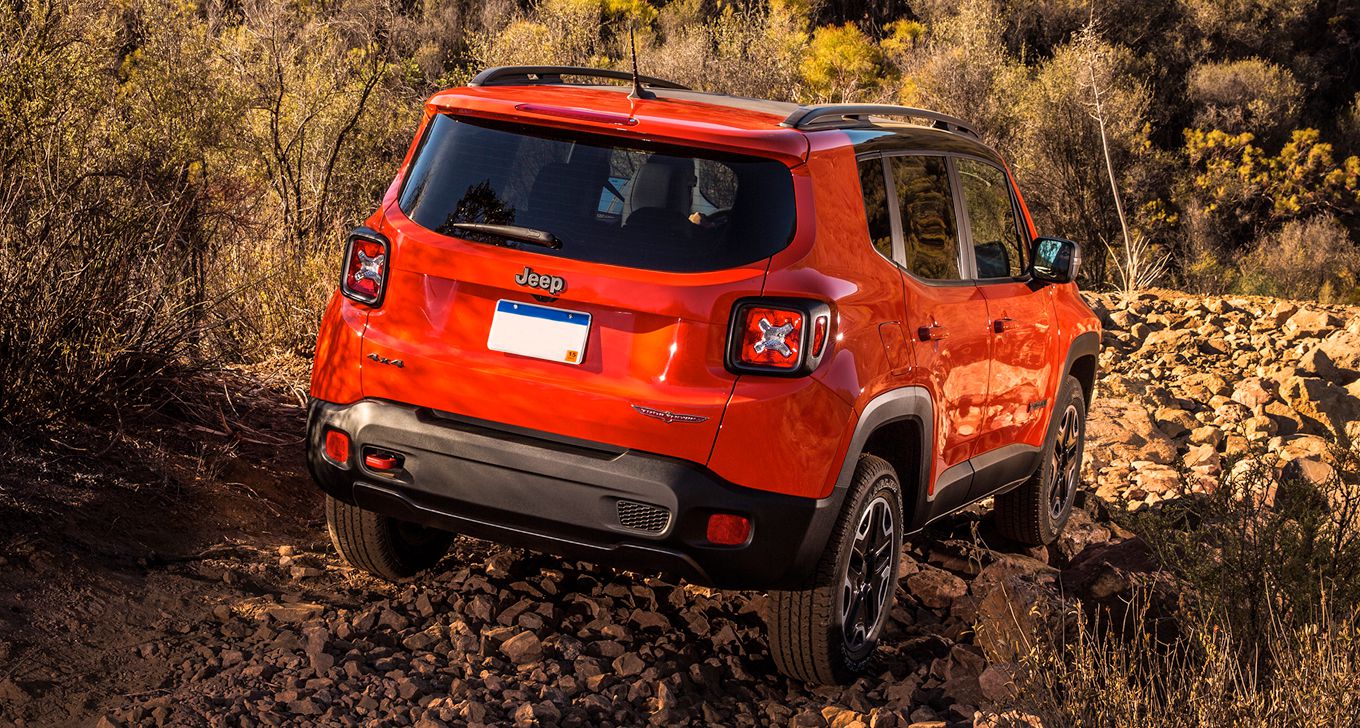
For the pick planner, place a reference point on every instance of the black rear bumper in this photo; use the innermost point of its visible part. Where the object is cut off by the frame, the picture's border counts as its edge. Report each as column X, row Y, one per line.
column 562, row 496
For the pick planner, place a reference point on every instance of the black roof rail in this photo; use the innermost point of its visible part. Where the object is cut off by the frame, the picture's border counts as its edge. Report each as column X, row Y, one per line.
column 832, row 116
column 538, row 75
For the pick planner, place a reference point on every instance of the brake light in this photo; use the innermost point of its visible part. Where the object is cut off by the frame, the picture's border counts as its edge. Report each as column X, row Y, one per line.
column 337, row 447
column 366, row 260
column 771, row 337
column 778, row 336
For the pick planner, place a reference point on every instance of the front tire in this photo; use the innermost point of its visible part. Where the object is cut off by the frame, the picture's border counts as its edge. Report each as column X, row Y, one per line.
column 828, row 631
column 1036, row 512
column 381, row 545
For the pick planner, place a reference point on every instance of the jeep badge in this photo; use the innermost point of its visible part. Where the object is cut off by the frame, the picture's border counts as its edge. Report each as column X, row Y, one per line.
column 552, row 284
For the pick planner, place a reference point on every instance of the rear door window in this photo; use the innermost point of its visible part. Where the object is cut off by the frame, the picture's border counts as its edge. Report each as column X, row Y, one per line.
column 991, row 220
column 930, row 232
column 874, row 188
column 605, row 199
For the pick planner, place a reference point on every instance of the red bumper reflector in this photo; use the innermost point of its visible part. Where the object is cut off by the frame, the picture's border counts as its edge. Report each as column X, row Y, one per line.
column 726, row 529
column 337, row 446
column 381, row 461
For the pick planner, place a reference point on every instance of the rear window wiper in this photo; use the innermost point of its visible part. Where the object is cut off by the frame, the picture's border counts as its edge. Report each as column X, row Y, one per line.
column 514, row 232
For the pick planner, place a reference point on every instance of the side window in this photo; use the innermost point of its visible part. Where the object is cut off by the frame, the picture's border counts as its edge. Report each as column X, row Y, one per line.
column 991, row 218
column 930, row 234
column 875, row 191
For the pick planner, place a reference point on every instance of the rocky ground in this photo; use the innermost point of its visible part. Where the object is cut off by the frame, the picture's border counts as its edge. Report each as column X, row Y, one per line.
column 176, row 572
column 1190, row 384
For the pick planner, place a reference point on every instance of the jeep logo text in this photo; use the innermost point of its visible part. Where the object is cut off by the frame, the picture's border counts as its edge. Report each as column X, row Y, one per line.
column 552, row 284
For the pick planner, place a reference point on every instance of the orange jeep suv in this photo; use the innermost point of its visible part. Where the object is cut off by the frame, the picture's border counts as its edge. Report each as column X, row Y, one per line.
column 745, row 343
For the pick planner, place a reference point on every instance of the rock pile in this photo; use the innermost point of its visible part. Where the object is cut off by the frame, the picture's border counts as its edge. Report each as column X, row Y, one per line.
column 504, row 637
column 1190, row 383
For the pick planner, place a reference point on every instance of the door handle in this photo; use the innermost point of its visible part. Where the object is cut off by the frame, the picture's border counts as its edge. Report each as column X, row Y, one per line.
column 1000, row 325
column 933, row 332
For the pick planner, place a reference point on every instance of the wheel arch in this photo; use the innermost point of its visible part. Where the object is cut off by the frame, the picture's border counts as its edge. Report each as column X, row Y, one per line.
column 897, row 426
column 1082, row 363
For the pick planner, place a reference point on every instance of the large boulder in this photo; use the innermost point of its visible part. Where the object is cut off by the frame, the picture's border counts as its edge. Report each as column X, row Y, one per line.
column 1252, row 392
column 1311, row 323
column 1325, row 406
column 1343, row 349
column 1121, row 431
column 1014, row 615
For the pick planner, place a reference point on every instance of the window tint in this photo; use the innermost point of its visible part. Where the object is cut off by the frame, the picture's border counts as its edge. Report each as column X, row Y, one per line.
column 991, row 218
column 606, row 199
column 929, row 231
column 875, row 191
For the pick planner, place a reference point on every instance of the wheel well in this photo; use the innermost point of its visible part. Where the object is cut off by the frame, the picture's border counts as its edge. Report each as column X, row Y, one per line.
column 899, row 443
column 1084, row 369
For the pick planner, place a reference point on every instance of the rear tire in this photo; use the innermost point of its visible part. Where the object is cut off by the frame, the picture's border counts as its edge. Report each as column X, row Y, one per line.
column 1036, row 512
column 828, row 631
column 381, row 545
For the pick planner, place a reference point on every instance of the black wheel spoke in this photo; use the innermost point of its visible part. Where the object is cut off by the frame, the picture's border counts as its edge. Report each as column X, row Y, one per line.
column 1066, row 460
column 856, row 603
column 865, row 584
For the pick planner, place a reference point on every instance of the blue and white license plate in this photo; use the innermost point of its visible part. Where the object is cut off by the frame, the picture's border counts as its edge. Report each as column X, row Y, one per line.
column 542, row 332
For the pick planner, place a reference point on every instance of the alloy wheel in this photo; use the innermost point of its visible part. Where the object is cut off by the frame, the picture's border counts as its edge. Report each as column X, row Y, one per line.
column 1066, row 461
column 867, row 585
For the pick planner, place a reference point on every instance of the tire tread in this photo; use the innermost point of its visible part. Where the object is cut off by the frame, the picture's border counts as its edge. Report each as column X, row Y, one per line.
column 1021, row 514
column 801, row 640
column 364, row 540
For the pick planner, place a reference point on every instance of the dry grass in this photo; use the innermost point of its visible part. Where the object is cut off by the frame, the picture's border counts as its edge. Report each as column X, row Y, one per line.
column 1097, row 677
column 1264, row 574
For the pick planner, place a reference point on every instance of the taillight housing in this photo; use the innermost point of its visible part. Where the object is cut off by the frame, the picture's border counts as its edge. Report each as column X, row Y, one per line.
column 367, row 257
column 785, row 337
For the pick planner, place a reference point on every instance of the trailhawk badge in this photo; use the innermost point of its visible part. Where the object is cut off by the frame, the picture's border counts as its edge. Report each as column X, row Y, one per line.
column 552, row 284
column 669, row 417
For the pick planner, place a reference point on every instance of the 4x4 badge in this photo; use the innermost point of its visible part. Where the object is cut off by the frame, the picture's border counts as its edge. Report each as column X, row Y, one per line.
column 384, row 360
column 552, row 284
column 669, row 417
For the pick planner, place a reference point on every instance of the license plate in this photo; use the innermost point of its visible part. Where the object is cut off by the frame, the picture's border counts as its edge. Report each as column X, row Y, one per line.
column 541, row 332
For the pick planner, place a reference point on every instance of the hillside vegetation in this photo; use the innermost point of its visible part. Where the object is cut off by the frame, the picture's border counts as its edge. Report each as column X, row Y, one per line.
column 177, row 177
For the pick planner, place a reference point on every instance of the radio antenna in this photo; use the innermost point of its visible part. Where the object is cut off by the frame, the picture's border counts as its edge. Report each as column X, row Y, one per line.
column 639, row 92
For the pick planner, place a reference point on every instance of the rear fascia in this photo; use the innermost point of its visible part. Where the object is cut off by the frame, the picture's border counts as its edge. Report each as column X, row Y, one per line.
column 559, row 495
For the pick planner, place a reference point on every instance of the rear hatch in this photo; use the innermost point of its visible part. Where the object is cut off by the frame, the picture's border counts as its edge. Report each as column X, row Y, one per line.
column 572, row 282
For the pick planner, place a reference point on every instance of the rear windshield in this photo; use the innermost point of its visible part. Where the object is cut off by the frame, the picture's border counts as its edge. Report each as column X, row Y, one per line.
column 604, row 200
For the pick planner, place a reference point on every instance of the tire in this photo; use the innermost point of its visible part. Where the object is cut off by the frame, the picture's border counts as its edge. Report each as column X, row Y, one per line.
column 1036, row 512
column 381, row 545
column 808, row 634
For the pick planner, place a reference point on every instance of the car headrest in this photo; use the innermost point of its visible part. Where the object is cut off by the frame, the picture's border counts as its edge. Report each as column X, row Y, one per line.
column 662, row 182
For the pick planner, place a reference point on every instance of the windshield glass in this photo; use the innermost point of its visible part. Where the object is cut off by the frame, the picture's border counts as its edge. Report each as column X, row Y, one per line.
column 603, row 199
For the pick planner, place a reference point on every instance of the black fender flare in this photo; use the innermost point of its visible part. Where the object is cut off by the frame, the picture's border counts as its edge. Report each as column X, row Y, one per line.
column 1086, row 343
column 904, row 403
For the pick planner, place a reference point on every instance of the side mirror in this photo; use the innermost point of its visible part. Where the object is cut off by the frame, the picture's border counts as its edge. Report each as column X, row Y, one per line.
column 1056, row 260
